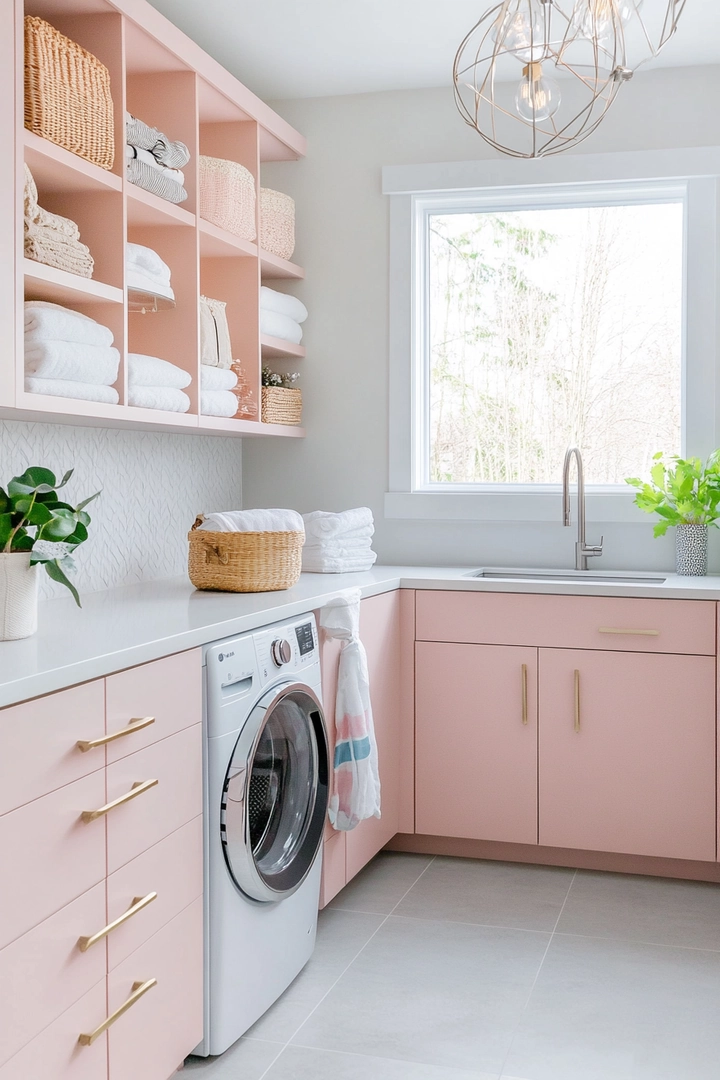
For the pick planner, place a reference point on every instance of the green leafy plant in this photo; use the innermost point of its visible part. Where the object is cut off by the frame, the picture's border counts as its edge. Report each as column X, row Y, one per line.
column 684, row 493
column 33, row 518
column 287, row 381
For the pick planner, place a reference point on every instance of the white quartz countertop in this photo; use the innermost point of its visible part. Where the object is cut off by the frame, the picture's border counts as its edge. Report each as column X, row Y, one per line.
column 132, row 625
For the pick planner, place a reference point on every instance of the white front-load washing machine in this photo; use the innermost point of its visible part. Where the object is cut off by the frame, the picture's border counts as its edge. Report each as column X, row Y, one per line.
column 266, row 794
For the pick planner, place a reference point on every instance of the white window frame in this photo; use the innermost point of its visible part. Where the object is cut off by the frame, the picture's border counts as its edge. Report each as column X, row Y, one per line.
column 692, row 176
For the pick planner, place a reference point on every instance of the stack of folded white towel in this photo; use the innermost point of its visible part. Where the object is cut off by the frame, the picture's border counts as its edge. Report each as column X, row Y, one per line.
column 51, row 239
column 146, row 271
column 154, row 162
column 216, row 385
column 281, row 315
column 68, row 354
column 253, row 521
column 157, row 384
column 338, row 543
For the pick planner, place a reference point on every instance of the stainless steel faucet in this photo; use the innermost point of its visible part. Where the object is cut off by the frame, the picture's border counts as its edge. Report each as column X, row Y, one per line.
column 582, row 550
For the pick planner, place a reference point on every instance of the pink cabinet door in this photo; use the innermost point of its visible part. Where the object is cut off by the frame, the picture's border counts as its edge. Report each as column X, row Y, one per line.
column 50, row 855
column 173, row 870
column 38, row 743
column 627, row 753
column 380, row 634
column 476, row 742
column 134, row 826
column 157, row 1033
column 56, row 1052
column 170, row 690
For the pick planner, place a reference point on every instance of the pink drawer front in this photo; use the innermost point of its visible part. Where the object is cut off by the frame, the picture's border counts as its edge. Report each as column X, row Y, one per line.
column 135, row 826
column 38, row 743
column 43, row 973
column 174, row 870
column 56, row 1054
column 333, row 870
column 49, row 855
column 623, row 624
column 155, row 1035
column 170, row 690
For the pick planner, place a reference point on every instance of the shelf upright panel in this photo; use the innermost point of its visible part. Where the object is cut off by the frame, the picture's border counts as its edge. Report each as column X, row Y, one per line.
column 11, row 210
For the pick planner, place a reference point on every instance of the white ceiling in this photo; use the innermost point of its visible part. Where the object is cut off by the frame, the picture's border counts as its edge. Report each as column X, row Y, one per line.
column 319, row 48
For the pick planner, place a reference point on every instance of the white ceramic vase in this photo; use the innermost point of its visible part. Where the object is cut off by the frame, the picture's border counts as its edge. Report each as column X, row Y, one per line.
column 691, row 546
column 18, row 596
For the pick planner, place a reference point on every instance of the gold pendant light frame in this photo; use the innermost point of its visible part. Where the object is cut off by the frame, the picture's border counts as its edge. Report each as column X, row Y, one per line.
column 590, row 56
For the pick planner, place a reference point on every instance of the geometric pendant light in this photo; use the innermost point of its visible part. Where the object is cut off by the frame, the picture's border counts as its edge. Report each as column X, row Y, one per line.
column 536, row 77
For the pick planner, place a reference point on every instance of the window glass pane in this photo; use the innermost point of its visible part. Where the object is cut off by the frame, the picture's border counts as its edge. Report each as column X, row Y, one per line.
column 549, row 327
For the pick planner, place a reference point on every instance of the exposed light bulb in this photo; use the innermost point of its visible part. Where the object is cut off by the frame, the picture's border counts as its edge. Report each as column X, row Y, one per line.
column 596, row 18
column 525, row 30
column 537, row 98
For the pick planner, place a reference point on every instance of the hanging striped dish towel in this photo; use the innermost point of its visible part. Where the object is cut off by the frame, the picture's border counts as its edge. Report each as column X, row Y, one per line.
column 356, row 779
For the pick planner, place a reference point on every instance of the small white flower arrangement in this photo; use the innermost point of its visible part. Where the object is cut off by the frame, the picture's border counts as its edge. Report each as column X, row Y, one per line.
column 285, row 382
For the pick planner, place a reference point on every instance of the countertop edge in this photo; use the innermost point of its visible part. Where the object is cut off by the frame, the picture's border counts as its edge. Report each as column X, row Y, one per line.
column 41, row 668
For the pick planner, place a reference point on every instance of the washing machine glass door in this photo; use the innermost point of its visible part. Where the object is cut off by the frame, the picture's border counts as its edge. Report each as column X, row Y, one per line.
column 275, row 795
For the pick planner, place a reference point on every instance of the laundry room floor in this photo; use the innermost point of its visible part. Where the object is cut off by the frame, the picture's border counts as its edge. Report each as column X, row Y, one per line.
column 452, row 969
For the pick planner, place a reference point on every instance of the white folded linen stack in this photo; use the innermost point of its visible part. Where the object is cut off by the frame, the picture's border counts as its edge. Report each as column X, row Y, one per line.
column 281, row 315
column 338, row 543
column 272, row 520
column 68, row 354
column 146, row 271
column 216, row 398
column 157, row 384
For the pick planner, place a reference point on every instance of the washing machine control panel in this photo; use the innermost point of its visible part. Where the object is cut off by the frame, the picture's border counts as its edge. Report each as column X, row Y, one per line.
column 291, row 646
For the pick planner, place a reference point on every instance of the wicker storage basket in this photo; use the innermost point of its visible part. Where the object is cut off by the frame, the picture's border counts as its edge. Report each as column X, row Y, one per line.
column 277, row 223
column 227, row 196
column 244, row 561
column 67, row 94
column 281, row 405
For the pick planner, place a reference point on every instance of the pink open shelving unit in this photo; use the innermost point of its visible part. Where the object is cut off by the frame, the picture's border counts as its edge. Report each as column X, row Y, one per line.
column 163, row 77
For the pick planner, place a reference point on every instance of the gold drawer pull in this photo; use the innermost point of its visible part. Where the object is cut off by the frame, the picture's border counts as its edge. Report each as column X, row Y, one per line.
column 577, row 701
column 631, row 633
column 138, row 904
column 524, row 694
column 137, row 789
column 136, row 724
column 138, row 989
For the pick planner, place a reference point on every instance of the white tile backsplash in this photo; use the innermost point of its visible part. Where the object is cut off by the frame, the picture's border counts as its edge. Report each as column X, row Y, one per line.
column 153, row 486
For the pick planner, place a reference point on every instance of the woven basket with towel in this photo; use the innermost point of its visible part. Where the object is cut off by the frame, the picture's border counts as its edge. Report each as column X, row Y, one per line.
column 246, row 550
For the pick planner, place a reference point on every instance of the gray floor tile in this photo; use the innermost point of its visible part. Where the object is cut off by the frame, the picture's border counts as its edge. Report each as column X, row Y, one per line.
column 381, row 884
column 643, row 909
column 439, row 993
column 489, row 893
column 245, row 1060
column 341, row 935
column 622, row 1010
column 302, row 1063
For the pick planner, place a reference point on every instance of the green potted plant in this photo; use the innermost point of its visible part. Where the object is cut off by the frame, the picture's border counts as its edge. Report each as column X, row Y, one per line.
column 36, row 527
column 686, row 495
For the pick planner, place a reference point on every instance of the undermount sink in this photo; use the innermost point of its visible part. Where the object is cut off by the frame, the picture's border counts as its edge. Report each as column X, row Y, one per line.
column 500, row 573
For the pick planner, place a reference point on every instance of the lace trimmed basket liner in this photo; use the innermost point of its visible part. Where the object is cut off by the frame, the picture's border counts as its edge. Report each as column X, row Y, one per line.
column 281, row 405
column 227, row 196
column 244, row 561
column 277, row 223
column 67, row 94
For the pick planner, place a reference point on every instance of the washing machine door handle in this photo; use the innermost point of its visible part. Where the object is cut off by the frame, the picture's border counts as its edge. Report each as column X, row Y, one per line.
column 276, row 794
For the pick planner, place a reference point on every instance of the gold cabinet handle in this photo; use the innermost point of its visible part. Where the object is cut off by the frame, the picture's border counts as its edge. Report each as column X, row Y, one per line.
column 524, row 694
column 138, row 904
column 138, row 989
column 137, row 789
column 629, row 633
column 577, row 701
column 136, row 724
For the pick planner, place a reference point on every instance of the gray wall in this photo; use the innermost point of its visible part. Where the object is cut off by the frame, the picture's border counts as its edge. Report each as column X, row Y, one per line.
column 343, row 244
